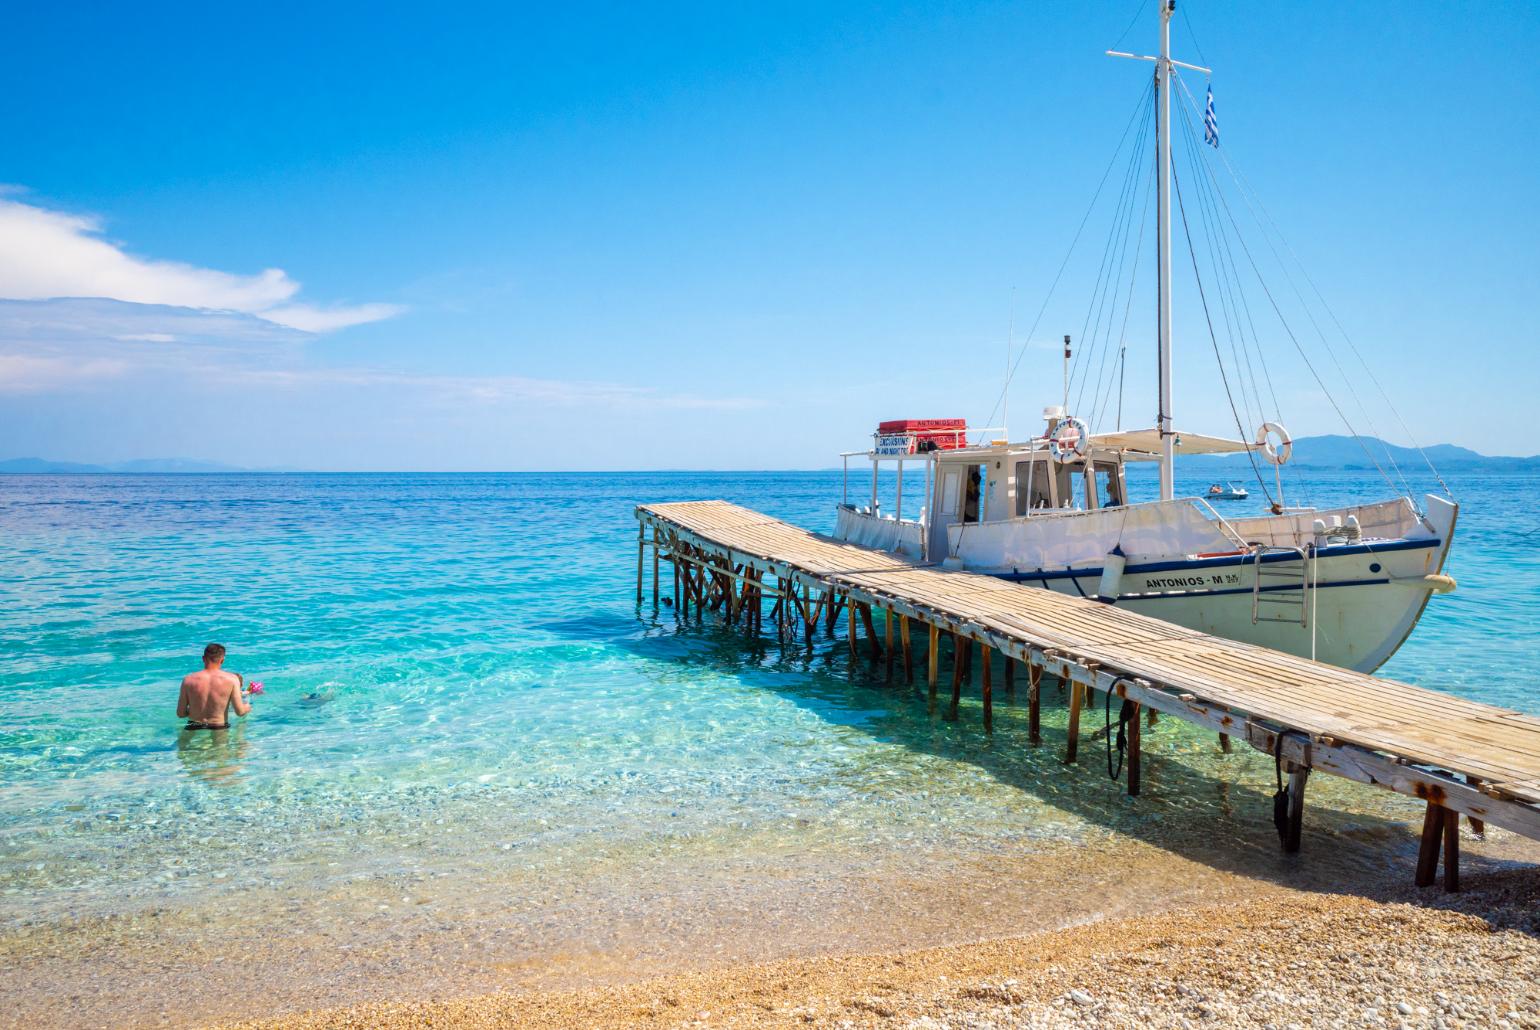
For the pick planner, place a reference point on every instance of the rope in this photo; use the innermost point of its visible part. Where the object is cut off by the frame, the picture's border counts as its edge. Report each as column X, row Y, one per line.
column 1027, row 340
column 1223, row 377
column 1192, row 103
column 1124, row 715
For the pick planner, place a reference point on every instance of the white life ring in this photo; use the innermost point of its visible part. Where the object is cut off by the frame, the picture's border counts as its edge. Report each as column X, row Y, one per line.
column 1277, row 454
column 1071, row 440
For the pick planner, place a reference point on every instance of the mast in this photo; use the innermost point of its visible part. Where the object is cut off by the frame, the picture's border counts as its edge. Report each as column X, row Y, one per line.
column 1163, row 244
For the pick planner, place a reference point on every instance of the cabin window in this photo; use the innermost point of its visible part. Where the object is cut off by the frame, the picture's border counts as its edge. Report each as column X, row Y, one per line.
column 1033, row 492
column 1107, row 485
column 951, row 491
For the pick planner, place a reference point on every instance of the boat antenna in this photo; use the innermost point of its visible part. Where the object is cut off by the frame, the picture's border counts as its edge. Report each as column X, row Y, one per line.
column 1165, row 68
column 1066, row 374
column 1005, row 390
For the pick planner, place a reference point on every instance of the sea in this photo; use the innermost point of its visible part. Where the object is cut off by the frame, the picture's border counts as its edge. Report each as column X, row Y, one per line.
column 479, row 762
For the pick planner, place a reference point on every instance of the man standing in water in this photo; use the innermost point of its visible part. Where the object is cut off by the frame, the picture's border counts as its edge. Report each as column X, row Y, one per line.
column 206, row 695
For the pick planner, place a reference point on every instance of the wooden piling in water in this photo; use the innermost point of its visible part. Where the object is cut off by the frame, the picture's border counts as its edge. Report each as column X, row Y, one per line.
column 958, row 657
column 1034, row 697
column 987, row 689
column 1072, row 740
column 903, row 636
column 873, row 648
column 887, row 643
column 1010, row 676
column 1133, row 755
column 932, row 657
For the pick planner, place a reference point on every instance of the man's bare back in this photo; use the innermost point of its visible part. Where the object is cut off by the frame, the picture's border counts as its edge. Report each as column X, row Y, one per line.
column 206, row 695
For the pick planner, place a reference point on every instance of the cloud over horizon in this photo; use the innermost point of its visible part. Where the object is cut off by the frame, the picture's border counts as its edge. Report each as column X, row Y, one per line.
column 53, row 255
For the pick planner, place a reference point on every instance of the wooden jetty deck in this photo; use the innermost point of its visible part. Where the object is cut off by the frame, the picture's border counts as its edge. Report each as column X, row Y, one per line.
column 1458, row 756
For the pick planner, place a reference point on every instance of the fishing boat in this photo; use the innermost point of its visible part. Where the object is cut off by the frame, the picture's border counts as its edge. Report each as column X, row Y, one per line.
column 1343, row 585
column 1228, row 492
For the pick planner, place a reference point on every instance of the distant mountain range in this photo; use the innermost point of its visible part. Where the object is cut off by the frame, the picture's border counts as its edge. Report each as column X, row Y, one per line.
column 1346, row 452
column 1335, row 452
column 138, row 465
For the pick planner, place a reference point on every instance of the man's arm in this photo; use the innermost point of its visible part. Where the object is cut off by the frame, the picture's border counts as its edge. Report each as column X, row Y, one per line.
column 181, row 702
column 236, row 700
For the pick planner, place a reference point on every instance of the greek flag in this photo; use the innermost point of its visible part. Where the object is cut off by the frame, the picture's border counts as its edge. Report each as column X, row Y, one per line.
column 1210, row 123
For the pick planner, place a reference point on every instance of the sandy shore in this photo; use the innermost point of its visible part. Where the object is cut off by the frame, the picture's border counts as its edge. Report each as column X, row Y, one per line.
column 1293, row 958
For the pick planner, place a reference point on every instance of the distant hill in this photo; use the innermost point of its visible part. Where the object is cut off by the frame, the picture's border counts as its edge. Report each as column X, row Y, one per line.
column 1343, row 452
column 43, row 466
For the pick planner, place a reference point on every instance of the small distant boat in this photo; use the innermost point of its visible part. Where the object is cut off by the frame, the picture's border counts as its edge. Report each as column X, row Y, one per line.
column 1228, row 492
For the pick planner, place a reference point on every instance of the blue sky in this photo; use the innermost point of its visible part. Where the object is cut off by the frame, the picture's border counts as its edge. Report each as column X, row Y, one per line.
column 593, row 236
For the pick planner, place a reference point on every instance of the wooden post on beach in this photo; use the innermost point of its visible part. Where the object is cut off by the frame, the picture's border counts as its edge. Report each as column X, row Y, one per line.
column 958, row 655
column 1133, row 749
column 1295, row 825
column 932, row 658
column 987, row 689
column 903, row 637
column 1034, row 699
column 1072, row 740
column 1477, row 826
column 1440, row 826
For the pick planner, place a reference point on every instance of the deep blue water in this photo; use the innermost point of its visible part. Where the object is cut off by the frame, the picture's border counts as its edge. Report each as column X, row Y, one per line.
column 437, row 647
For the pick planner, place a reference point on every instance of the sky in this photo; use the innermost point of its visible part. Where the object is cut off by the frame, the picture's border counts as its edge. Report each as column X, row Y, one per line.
column 588, row 236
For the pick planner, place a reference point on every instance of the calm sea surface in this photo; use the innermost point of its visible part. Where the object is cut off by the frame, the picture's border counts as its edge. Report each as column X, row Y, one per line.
column 460, row 686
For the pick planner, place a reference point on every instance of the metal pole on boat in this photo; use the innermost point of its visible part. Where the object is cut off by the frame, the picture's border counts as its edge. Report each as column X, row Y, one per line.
column 1163, row 242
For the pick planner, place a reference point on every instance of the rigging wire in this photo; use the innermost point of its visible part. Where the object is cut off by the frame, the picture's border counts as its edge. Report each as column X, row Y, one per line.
column 1027, row 340
column 1273, row 301
column 1139, row 8
column 1248, row 194
column 1213, row 338
column 1128, row 304
column 1104, row 295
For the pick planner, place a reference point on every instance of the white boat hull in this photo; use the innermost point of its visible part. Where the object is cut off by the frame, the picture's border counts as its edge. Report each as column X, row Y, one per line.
column 1356, row 616
column 1351, row 604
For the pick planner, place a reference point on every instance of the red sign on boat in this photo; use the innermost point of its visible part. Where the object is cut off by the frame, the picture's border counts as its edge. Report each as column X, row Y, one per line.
column 927, row 434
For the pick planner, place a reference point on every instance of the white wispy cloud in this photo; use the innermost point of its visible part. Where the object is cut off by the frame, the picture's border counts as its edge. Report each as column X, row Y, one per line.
column 82, row 344
column 47, row 254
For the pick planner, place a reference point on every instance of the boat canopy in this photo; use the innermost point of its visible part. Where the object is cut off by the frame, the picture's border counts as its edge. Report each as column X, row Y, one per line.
column 1147, row 441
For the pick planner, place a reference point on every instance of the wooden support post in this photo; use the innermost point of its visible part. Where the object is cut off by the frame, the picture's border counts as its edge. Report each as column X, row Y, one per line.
column 1295, row 826
column 833, row 612
column 1133, row 750
column 850, row 611
column 932, row 658
column 1477, row 826
column 887, row 642
column 1224, row 743
column 987, row 688
column 1432, row 836
column 641, row 551
column 967, row 658
column 675, row 563
column 871, row 633
column 903, row 638
column 1034, row 695
column 1451, row 850
column 1010, row 677
column 1072, row 741
column 958, row 656
column 654, row 566
column 1154, row 716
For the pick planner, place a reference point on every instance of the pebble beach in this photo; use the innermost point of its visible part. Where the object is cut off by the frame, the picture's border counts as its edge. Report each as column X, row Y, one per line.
column 1291, row 960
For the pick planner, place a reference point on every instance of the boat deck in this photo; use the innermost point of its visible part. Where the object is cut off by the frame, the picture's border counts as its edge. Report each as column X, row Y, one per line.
column 1458, row 755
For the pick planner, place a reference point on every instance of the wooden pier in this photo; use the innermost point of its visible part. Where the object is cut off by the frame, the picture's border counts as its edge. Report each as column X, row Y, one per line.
column 1458, row 756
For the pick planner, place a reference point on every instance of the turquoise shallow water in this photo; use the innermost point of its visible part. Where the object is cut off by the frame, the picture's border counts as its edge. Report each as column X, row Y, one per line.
column 489, row 694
